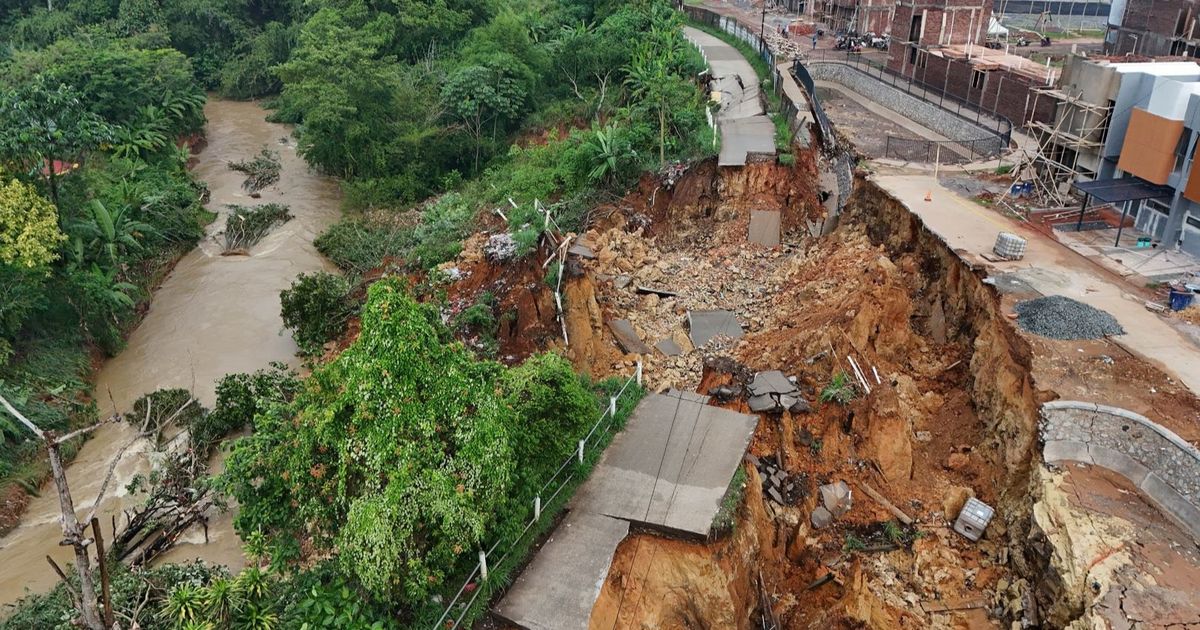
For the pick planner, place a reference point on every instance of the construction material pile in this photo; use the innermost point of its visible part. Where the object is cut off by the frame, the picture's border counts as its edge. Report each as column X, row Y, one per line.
column 1059, row 317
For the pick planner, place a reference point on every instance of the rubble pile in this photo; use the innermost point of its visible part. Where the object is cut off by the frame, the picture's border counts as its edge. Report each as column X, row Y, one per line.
column 778, row 484
column 655, row 290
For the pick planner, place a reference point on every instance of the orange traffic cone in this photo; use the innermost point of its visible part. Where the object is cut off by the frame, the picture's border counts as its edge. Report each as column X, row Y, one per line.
column 928, row 195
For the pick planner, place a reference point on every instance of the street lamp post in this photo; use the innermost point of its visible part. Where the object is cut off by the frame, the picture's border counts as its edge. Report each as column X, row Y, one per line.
column 762, row 28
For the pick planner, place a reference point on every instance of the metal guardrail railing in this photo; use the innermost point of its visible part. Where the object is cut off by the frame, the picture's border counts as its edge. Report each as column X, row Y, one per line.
column 943, row 151
column 951, row 103
column 554, row 486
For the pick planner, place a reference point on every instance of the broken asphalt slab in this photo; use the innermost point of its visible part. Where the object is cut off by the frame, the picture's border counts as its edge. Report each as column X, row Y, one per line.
column 628, row 337
column 704, row 325
column 559, row 587
column 670, row 467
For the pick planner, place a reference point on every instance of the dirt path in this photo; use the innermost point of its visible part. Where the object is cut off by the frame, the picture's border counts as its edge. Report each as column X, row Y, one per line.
column 213, row 315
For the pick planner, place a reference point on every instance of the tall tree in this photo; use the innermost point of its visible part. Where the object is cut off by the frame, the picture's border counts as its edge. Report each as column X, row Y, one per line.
column 43, row 127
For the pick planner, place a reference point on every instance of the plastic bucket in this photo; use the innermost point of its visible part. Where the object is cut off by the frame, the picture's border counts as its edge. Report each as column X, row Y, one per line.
column 1181, row 299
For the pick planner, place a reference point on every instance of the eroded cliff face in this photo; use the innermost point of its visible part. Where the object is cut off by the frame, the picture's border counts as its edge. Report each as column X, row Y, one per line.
column 952, row 412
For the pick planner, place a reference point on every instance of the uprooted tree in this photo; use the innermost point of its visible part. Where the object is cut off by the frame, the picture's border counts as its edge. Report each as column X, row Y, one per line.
column 75, row 530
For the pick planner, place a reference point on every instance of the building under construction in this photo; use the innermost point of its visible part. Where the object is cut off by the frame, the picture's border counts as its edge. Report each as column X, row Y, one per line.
column 1115, row 120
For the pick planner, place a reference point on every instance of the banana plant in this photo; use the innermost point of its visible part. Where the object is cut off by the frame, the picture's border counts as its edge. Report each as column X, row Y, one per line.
column 108, row 234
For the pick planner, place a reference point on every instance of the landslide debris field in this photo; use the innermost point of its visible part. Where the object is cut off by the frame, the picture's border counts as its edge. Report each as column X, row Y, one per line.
column 951, row 414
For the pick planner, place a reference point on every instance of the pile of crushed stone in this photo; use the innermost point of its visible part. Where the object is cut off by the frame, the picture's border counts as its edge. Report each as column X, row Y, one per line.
column 1061, row 317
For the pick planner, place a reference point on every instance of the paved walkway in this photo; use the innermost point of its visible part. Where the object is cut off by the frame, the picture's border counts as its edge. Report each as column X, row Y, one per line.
column 1050, row 268
column 667, row 470
column 745, row 127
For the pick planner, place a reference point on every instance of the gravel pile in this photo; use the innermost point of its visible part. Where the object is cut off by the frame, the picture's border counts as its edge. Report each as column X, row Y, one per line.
column 1061, row 317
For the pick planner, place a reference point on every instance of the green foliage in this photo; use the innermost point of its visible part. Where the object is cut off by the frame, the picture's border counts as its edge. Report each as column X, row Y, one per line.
column 443, row 225
column 108, row 237
column 243, row 397
column 252, row 74
column 839, row 390
column 141, row 597
column 245, row 227
column 358, row 245
column 316, row 308
column 479, row 320
column 29, row 234
column 261, row 171
column 726, row 518
column 853, row 543
column 398, row 454
column 41, row 123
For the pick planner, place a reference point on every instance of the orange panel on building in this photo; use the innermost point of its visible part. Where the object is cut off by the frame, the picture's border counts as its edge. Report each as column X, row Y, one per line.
column 1149, row 149
column 1192, row 190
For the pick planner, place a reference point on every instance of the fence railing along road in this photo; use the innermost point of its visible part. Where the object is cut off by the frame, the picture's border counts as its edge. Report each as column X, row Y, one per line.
column 549, row 491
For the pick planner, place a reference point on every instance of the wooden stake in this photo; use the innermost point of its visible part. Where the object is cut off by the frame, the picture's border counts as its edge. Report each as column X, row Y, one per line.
column 879, row 498
column 106, row 593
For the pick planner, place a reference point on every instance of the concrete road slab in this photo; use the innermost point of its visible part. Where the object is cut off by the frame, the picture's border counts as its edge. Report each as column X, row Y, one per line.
column 558, row 589
column 704, row 325
column 764, row 227
column 628, row 337
column 670, row 467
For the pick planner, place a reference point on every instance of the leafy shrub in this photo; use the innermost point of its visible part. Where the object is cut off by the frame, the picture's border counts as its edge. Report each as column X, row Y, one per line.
column 252, row 74
column 358, row 245
column 245, row 227
column 316, row 308
column 443, row 225
column 242, row 397
column 261, row 171
column 398, row 454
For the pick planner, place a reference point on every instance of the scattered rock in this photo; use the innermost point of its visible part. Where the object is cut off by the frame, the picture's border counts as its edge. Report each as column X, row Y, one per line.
column 836, row 498
column 958, row 461
column 821, row 517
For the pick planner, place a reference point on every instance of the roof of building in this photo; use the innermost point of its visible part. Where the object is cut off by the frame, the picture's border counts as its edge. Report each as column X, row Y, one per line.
column 1124, row 189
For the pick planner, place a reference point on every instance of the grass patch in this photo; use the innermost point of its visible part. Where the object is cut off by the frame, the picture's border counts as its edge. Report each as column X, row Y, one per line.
column 505, row 569
column 853, row 543
column 1004, row 169
column 840, row 390
column 726, row 519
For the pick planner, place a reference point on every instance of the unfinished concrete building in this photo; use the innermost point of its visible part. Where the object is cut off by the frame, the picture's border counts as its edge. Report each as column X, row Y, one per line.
column 1154, row 28
column 859, row 16
column 939, row 43
column 1115, row 120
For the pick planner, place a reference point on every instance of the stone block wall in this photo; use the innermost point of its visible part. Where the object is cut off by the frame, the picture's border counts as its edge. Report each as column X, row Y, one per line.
column 1156, row 460
column 923, row 112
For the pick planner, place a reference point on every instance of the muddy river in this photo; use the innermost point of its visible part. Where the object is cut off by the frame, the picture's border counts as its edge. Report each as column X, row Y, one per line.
column 212, row 316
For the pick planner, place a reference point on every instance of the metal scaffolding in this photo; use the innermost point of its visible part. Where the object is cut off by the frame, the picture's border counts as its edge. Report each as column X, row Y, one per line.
column 1080, row 129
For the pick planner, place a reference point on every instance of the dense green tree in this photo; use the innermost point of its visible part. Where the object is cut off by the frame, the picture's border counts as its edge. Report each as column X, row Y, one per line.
column 398, row 453
column 117, row 81
column 42, row 124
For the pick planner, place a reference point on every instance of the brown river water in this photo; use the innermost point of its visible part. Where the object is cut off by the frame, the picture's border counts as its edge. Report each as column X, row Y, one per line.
column 213, row 315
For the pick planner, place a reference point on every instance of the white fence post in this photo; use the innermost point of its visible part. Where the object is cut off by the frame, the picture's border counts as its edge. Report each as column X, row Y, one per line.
column 537, row 508
column 483, row 571
column 612, row 406
column 580, row 451
column 639, row 372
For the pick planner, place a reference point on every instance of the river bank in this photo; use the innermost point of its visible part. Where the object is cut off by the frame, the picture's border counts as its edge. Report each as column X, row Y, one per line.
column 213, row 315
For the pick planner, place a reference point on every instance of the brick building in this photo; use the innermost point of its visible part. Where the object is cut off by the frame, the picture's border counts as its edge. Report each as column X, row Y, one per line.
column 1154, row 28
column 859, row 16
column 939, row 44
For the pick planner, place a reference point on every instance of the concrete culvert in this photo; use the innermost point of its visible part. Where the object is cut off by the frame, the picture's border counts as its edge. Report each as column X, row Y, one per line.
column 1061, row 317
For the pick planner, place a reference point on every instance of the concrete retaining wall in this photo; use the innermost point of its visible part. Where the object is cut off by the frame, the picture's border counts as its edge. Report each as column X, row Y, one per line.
column 920, row 111
column 1153, row 458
